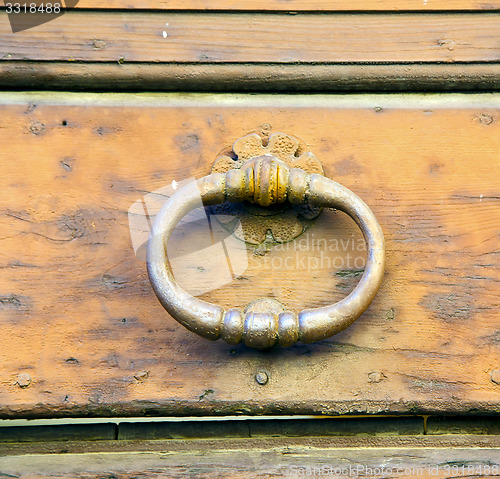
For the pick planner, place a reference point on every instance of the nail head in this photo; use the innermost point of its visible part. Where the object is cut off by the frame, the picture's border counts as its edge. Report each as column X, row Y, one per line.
column 262, row 378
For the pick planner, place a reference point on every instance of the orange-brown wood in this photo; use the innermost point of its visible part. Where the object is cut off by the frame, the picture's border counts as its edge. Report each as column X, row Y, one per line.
column 215, row 38
column 291, row 5
column 82, row 332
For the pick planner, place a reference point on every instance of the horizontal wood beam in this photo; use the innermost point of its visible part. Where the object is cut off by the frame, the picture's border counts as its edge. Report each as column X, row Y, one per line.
column 239, row 443
column 247, row 77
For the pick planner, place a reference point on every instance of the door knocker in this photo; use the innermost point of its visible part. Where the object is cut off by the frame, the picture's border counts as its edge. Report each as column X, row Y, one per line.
column 264, row 181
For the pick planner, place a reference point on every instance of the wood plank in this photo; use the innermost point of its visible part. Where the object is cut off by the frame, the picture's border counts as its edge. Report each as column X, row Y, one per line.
column 83, row 333
column 294, row 5
column 224, row 77
column 261, row 459
column 219, row 37
column 175, row 446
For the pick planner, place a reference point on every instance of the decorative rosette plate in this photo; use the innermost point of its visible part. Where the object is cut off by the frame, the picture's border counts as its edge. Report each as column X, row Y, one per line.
column 276, row 223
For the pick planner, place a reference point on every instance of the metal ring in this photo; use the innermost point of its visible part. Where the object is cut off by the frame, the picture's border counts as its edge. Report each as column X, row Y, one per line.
column 264, row 180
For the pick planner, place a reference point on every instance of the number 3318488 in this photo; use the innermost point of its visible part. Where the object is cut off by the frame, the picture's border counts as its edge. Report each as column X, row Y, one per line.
column 33, row 8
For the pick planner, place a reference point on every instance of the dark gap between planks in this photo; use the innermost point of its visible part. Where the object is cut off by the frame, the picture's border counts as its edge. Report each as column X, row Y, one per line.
column 255, row 428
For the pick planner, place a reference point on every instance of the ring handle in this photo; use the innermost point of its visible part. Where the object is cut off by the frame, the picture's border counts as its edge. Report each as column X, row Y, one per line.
column 264, row 180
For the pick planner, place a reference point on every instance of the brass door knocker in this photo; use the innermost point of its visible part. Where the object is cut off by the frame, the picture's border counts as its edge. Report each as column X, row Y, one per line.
column 264, row 181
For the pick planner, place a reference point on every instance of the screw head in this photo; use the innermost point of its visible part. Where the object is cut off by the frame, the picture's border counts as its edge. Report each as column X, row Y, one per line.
column 262, row 378
column 495, row 376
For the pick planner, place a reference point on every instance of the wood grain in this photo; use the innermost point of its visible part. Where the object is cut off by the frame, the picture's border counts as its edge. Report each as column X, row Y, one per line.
column 446, row 441
column 83, row 334
column 220, row 37
column 271, row 457
column 294, row 5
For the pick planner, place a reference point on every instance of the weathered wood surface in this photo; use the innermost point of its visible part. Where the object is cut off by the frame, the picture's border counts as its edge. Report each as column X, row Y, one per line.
column 224, row 77
column 293, row 5
column 83, row 334
column 224, row 443
column 270, row 457
column 252, row 37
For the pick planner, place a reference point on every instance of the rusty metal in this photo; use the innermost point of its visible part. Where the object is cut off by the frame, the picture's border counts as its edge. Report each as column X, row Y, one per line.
column 265, row 323
column 276, row 223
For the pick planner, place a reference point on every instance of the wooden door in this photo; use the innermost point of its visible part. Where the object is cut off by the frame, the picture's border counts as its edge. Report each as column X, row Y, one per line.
column 106, row 105
column 84, row 324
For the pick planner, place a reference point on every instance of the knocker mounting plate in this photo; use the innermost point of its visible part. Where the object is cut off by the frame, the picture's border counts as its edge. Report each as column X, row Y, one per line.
column 277, row 223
